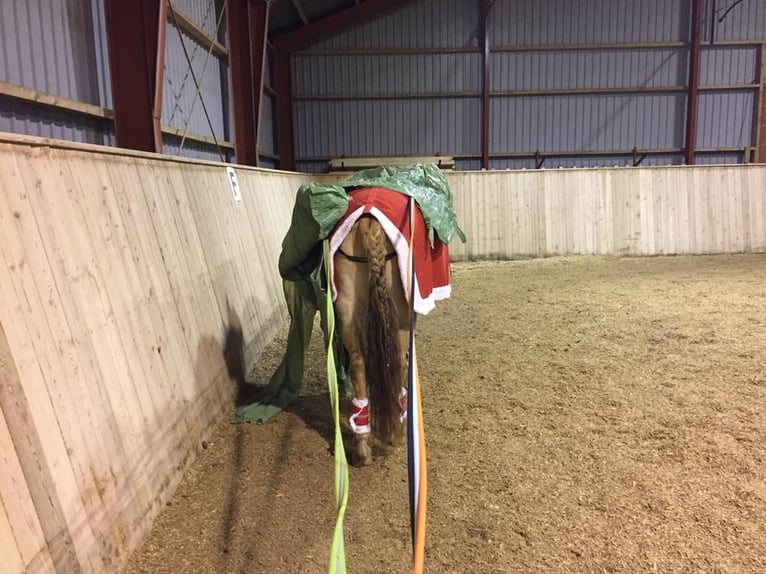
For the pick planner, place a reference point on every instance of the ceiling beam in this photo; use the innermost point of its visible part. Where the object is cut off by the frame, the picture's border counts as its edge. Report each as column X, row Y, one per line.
column 301, row 13
column 335, row 23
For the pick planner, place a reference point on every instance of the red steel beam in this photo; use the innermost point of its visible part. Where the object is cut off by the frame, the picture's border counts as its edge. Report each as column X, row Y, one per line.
column 133, row 36
column 241, row 71
column 284, row 111
column 259, row 31
column 486, row 9
column 692, row 96
column 760, row 127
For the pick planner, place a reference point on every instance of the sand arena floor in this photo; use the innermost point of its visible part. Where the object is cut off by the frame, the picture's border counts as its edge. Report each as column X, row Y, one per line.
column 582, row 415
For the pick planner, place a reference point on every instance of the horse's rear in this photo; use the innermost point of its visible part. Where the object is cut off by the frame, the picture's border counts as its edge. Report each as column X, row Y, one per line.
column 374, row 325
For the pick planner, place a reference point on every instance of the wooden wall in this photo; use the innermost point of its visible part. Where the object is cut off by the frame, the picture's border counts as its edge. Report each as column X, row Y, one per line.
column 618, row 211
column 123, row 279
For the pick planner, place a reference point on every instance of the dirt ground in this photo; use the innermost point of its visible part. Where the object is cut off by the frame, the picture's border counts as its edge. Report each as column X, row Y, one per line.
column 581, row 415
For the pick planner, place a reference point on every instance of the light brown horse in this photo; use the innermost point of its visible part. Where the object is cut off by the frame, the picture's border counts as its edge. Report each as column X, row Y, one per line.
column 373, row 316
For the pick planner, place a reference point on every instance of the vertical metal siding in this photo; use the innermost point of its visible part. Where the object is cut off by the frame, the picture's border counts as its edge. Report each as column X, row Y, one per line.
column 725, row 119
column 30, row 119
column 268, row 163
column 181, row 104
column 201, row 12
column 52, row 47
column 394, row 126
column 745, row 21
column 586, row 122
column 556, row 22
column 101, row 53
column 49, row 46
column 421, row 24
column 728, row 65
column 579, row 69
column 719, row 158
column 387, row 127
column 586, row 161
column 266, row 137
column 386, row 74
column 645, row 120
column 196, row 150
column 61, row 48
column 311, row 166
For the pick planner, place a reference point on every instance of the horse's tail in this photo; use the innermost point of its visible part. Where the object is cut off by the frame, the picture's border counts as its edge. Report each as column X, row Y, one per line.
column 382, row 359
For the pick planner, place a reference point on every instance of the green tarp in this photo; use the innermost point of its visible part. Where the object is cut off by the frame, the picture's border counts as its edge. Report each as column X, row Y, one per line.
column 318, row 207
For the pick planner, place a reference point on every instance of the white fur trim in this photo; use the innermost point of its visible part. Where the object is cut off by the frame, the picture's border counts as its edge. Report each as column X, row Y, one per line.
column 423, row 306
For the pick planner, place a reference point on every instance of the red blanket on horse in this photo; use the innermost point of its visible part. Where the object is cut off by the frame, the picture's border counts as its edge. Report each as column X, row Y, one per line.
column 390, row 208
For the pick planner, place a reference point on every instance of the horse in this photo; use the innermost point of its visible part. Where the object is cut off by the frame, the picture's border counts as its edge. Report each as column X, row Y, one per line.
column 374, row 324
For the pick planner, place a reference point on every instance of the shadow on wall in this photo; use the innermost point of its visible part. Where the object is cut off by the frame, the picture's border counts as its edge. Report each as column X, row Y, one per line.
column 234, row 357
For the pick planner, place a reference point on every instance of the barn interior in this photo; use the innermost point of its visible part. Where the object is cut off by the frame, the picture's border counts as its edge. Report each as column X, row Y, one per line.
column 592, row 388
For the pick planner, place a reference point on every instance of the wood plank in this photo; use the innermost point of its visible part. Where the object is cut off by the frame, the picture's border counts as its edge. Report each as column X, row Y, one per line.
column 71, row 257
column 41, row 357
column 61, row 103
column 50, row 100
column 757, row 209
column 132, row 493
column 155, row 344
column 12, row 561
column 232, row 250
column 22, row 538
column 186, row 24
column 274, row 213
column 198, row 138
column 374, row 161
column 134, row 307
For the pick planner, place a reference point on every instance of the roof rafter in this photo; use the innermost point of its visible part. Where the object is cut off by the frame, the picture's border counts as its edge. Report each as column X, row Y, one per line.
column 301, row 13
column 335, row 23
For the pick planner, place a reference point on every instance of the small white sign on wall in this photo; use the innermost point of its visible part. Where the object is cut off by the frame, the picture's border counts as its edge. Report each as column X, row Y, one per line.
column 234, row 184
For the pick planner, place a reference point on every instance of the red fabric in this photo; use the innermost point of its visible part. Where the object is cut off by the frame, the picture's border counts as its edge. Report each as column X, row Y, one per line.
column 361, row 415
column 432, row 267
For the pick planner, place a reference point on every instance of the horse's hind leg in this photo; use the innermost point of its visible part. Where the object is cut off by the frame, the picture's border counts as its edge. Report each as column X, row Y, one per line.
column 360, row 417
column 351, row 306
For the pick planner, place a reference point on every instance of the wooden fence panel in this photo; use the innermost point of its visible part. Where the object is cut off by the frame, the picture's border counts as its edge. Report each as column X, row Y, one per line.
column 124, row 274
column 618, row 211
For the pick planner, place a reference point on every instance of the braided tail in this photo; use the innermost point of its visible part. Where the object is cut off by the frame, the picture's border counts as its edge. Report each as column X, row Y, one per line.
column 382, row 358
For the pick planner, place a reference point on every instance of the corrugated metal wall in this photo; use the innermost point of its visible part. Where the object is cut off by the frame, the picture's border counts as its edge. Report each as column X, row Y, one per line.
column 60, row 48
column 410, row 81
column 559, row 84
column 196, row 107
column 267, row 140
column 51, row 47
column 443, row 117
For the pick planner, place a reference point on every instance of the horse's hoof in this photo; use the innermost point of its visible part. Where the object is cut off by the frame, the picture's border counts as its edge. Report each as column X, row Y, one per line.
column 362, row 453
column 361, row 460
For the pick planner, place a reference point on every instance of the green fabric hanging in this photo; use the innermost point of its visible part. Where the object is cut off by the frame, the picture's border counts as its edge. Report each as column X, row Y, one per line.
column 318, row 208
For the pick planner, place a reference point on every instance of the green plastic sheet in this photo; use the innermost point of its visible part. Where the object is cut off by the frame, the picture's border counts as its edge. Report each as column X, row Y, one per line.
column 318, row 207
